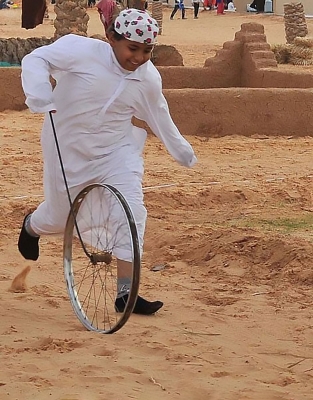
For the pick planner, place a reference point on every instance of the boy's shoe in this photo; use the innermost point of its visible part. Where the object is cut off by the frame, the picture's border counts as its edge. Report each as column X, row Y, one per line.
column 142, row 306
column 28, row 245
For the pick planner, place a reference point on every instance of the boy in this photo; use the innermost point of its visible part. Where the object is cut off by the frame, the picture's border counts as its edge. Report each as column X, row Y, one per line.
column 100, row 87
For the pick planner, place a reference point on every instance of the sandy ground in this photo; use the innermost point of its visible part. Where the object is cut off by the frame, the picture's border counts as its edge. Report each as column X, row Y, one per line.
column 234, row 233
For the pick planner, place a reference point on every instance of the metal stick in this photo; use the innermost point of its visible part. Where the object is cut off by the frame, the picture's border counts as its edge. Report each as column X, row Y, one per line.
column 66, row 184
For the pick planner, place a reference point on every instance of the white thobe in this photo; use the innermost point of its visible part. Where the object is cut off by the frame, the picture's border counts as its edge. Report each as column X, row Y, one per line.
column 95, row 100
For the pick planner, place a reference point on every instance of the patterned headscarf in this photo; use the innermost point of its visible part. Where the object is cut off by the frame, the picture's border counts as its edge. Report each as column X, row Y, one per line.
column 136, row 25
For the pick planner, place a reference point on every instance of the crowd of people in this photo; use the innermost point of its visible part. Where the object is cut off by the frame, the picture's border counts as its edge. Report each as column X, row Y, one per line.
column 219, row 5
column 106, row 6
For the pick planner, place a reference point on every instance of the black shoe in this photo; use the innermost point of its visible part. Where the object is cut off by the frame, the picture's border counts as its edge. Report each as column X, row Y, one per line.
column 142, row 306
column 27, row 244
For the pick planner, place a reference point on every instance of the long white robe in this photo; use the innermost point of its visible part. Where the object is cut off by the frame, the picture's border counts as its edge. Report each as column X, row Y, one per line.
column 95, row 100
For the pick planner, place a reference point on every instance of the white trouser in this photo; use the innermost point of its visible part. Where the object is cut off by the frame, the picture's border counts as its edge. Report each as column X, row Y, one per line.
column 122, row 169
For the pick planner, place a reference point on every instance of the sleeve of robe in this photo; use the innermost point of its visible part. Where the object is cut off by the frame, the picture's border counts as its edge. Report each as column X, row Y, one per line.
column 50, row 60
column 153, row 109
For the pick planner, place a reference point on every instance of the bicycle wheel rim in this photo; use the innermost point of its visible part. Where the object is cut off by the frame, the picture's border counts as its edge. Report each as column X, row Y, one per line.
column 91, row 280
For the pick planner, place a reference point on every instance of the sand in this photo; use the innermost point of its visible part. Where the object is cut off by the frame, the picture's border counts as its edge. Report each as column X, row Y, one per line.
column 234, row 233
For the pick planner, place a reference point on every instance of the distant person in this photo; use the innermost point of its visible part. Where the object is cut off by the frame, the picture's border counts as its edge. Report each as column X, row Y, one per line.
column 179, row 5
column 220, row 7
column 209, row 4
column 33, row 12
column 3, row 4
column 205, row 5
column 107, row 9
column 258, row 5
column 196, row 5
column 251, row 9
column 231, row 7
column 253, row 5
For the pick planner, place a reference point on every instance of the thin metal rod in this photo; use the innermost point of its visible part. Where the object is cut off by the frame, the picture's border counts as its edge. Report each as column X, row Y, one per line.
column 66, row 185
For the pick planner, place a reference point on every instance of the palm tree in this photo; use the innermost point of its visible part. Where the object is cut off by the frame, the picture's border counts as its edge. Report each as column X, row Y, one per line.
column 71, row 17
column 157, row 13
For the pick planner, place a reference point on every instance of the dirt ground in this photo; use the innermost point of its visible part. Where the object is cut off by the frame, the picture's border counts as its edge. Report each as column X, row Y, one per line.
column 234, row 233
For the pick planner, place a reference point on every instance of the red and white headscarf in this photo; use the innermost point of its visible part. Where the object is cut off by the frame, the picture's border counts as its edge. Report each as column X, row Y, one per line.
column 106, row 10
column 137, row 25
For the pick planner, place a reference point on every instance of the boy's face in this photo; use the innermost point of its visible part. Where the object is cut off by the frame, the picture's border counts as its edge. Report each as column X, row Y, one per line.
column 130, row 54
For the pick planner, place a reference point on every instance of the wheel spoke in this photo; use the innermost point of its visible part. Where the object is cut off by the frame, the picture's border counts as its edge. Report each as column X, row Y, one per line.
column 106, row 227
